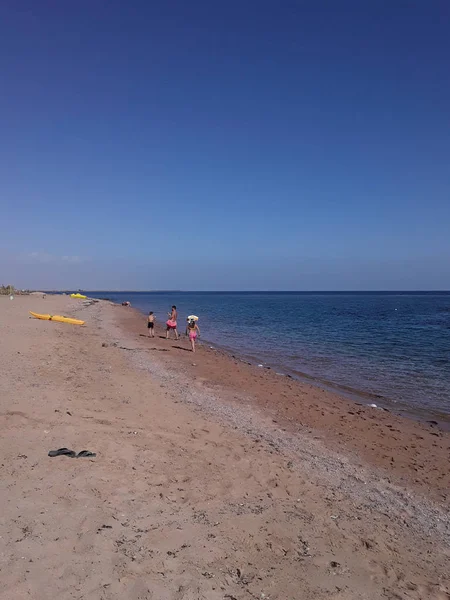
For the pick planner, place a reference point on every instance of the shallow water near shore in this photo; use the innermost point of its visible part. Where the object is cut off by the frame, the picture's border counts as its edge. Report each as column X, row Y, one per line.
column 390, row 346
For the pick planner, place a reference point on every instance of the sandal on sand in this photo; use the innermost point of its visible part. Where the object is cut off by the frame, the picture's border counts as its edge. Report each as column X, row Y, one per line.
column 63, row 452
column 86, row 453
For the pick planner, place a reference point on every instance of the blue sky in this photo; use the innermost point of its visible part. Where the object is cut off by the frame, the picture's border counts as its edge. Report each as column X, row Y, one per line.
column 232, row 145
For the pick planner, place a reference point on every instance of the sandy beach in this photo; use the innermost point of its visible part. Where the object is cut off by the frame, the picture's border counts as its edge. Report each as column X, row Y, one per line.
column 213, row 479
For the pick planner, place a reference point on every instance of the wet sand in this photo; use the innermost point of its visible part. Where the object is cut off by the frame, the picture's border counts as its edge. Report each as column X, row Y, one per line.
column 213, row 479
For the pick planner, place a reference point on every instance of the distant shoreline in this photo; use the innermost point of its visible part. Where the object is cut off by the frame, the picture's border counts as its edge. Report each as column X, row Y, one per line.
column 301, row 292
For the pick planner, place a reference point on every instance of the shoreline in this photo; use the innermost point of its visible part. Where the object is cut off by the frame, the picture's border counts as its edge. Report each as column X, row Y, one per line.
column 212, row 478
column 414, row 452
column 399, row 408
column 396, row 406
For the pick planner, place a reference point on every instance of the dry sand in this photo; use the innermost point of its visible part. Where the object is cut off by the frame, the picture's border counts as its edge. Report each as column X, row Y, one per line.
column 212, row 480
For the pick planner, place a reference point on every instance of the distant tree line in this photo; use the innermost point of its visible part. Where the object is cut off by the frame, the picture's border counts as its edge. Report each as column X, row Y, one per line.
column 7, row 290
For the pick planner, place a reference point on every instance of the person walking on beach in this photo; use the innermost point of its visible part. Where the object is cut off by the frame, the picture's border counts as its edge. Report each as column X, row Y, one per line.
column 172, row 322
column 193, row 331
column 151, row 324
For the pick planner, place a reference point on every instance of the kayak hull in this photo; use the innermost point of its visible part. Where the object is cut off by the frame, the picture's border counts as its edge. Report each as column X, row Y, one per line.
column 57, row 318
column 78, row 296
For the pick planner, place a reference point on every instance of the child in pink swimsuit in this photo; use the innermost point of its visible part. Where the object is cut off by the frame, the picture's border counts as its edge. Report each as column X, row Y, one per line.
column 193, row 330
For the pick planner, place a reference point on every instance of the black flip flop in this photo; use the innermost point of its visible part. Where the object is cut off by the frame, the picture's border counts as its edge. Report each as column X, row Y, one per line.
column 86, row 454
column 63, row 452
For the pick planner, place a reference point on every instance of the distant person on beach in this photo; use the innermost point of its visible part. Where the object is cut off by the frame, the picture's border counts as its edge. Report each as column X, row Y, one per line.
column 172, row 322
column 151, row 324
column 193, row 331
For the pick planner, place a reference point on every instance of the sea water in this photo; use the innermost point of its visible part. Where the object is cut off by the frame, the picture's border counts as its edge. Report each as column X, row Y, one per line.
column 389, row 348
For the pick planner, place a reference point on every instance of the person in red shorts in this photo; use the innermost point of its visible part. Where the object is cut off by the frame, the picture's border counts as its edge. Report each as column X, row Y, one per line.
column 172, row 322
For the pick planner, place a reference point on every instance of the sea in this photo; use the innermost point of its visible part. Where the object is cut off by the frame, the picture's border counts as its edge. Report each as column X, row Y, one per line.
column 391, row 349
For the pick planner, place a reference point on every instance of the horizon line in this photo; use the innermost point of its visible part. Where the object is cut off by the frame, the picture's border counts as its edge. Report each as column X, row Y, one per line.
column 331, row 291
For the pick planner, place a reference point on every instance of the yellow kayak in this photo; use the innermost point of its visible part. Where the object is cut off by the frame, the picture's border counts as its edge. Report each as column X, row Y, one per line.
column 78, row 296
column 57, row 318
